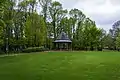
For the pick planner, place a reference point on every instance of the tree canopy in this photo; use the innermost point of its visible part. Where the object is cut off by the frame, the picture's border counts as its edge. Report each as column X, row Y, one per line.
column 36, row 23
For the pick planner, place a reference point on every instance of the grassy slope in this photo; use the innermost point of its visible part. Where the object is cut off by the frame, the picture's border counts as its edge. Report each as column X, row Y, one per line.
column 61, row 66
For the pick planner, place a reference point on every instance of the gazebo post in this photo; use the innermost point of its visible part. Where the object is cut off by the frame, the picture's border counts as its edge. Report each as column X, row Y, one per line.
column 68, row 46
column 55, row 46
column 58, row 46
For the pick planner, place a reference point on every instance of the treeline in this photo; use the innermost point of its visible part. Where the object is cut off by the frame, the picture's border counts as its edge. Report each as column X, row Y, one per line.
column 37, row 23
column 112, row 40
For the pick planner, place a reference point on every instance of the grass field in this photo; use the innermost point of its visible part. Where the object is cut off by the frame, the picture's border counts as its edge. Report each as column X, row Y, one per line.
column 61, row 66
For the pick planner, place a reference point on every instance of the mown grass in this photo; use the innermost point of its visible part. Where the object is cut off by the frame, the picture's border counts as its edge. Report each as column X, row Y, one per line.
column 61, row 66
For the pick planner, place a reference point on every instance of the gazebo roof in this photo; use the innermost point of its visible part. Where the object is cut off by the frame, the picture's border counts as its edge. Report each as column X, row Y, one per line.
column 63, row 38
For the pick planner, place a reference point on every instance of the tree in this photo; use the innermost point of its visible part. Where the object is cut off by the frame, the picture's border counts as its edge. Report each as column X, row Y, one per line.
column 45, row 4
column 108, row 42
column 35, row 35
column 21, row 26
column 77, row 18
column 54, row 10
column 118, row 42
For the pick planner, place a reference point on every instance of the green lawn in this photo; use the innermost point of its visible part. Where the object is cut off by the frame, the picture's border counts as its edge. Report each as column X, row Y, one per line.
column 61, row 66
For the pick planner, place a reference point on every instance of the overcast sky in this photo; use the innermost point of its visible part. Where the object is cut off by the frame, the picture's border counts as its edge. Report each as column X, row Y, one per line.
column 104, row 12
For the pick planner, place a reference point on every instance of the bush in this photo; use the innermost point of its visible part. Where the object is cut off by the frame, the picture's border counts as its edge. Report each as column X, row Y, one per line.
column 34, row 49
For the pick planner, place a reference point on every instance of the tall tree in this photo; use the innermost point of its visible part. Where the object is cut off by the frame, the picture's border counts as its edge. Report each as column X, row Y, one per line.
column 54, row 9
column 118, row 42
column 45, row 4
column 35, row 35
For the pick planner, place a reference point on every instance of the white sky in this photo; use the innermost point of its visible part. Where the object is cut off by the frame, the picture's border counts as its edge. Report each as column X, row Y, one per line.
column 104, row 12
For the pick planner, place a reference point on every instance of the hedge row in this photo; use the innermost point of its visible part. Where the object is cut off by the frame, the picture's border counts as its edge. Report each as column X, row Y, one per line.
column 34, row 49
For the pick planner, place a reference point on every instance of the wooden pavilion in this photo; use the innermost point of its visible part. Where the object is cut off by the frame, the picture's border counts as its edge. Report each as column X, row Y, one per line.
column 63, row 42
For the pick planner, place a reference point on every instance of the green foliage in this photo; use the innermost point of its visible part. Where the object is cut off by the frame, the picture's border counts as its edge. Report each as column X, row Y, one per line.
column 22, row 26
column 118, row 41
column 108, row 41
column 34, row 49
column 35, row 30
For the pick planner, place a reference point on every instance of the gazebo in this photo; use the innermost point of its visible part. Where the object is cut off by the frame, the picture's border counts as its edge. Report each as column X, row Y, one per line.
column 63, row 42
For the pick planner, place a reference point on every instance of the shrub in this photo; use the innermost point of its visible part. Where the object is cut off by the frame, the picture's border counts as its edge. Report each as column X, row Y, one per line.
column 34, row 49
